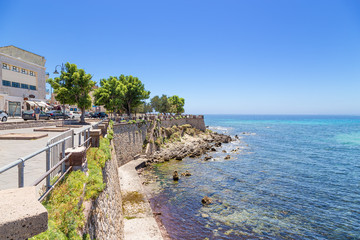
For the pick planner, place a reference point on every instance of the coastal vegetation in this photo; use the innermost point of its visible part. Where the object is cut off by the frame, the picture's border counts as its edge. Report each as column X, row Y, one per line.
column 64, row 205
column 73, row 87
column 165, row 104
column 124, row 93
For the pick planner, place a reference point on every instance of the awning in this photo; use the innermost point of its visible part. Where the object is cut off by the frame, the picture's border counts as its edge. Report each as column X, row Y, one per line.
column 37, row 103
column 31, row 103
column 42, row 104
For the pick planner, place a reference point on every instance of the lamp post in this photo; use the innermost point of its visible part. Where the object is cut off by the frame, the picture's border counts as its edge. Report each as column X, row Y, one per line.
column 63, row 82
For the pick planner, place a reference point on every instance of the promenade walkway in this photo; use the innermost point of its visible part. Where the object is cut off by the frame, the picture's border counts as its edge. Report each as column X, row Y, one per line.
column 139, row 221
column 11, row 150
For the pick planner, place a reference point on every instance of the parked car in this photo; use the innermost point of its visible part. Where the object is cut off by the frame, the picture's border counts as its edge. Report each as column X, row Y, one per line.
column 99, row 115
column 57, row 114
column 74, row 114
column 30, row 115
column 3, row 116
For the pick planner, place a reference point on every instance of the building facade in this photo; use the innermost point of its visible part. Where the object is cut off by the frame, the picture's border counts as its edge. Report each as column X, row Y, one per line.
column 22, row 80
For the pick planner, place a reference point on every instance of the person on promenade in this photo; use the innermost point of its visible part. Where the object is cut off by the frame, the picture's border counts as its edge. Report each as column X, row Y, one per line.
column 37, row 113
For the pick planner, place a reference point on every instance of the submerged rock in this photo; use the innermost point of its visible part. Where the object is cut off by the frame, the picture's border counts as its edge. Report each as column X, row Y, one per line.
column 186, row 173
column 213, row 149
column 227, row 157
column 224, row 151
column 206, row 200
column 175, row 176
column 218, row 144
column 207, row 158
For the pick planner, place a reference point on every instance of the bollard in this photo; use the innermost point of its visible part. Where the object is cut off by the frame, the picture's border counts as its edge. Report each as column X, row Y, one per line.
column 95, row 137
column 77, row 159
column 103, row 129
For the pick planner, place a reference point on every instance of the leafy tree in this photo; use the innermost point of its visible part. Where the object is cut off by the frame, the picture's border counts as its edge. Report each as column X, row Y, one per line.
column 161, row 104
column 132, row 92
column 176, row 104
column 73, row 87
column 108, row 94
column 147, row 108
column 125, row 93
column 143, row 108
column 155, row 102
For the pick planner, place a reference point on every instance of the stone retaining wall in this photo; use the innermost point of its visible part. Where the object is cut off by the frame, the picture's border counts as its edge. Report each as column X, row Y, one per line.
column 197, row 123
column 27, row 124
column 129, row 138
column 106, row 218
column 33, row 123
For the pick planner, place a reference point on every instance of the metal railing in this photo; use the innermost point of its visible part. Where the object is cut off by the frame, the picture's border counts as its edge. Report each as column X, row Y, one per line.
column 57, row 151
column 20, row 163
column 55, row 157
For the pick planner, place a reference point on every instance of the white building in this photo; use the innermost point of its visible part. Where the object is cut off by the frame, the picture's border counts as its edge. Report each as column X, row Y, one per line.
column 22, row 80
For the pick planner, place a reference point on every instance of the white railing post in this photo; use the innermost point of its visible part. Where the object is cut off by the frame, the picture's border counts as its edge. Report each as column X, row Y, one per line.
column 48, row 151
column 21, row 167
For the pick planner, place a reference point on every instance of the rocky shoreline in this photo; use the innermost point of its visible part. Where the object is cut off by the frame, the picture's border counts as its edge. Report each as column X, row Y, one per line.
column 191, row 143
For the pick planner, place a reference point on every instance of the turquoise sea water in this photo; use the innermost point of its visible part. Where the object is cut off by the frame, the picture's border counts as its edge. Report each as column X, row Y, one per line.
column 293, row 177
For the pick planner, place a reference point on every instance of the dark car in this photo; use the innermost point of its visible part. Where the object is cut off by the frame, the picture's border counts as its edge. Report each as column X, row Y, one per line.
column 30, row 115
column 57, row 114
column 99, row 115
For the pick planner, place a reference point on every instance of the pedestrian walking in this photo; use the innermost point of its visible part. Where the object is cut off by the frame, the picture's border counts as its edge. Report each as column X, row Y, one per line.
column 37, row 113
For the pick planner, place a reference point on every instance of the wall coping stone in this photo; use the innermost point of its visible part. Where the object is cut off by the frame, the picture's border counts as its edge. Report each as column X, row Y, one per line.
column 22, row 215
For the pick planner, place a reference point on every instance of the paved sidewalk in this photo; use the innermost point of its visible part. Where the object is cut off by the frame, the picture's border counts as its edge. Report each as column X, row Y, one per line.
column 11, row 150
column 140, row 222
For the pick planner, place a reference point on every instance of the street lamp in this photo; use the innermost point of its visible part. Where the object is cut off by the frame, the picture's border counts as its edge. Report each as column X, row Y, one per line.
column 63, row 82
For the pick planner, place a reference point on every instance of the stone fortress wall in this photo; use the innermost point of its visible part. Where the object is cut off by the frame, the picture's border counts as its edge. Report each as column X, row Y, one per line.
column 129, row 138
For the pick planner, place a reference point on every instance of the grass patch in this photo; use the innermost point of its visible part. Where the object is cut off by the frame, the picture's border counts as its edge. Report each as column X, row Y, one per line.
column 133, row 197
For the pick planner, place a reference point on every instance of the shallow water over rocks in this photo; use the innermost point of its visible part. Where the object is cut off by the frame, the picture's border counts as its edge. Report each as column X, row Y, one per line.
column 290, row 177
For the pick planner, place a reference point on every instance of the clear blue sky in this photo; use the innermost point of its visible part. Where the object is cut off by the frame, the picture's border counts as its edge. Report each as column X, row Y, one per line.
column 240, row 57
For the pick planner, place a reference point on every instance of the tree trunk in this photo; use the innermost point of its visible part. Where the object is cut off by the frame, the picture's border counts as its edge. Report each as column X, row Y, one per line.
column 128, row 110
column 82, row 118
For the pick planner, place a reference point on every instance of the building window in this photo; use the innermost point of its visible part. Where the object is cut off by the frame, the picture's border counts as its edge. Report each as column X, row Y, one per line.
column 24, row 71
column 5, row 66
column 15, row 84
column 32, row 73
column 25, row 86
column 15, row 69
column 32, row 87
column 6, row 83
